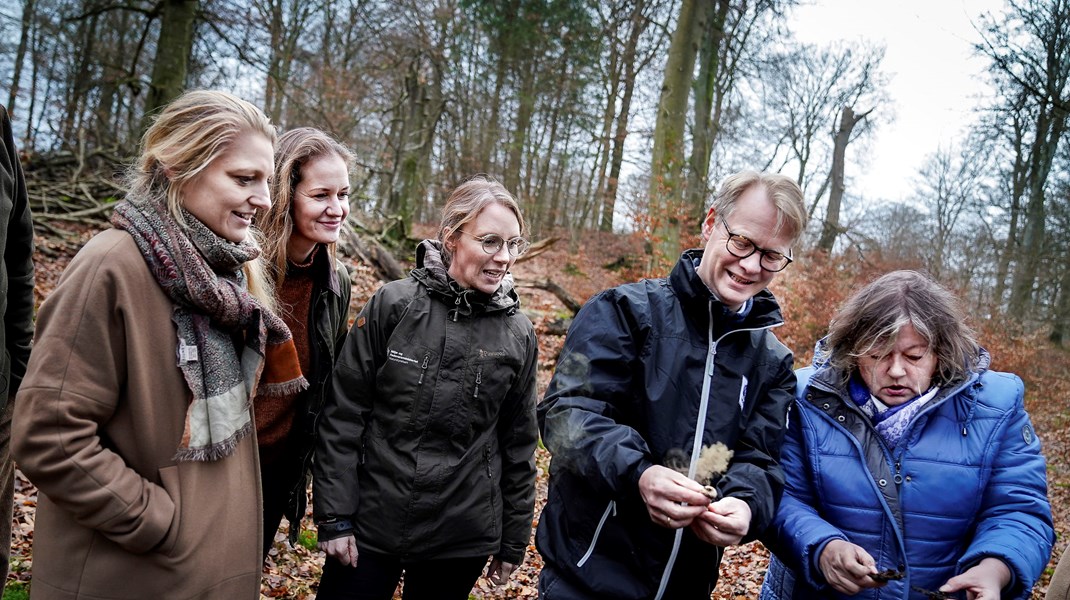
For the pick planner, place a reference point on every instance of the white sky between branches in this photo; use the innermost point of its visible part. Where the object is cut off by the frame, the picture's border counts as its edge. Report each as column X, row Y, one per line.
column 935, row 79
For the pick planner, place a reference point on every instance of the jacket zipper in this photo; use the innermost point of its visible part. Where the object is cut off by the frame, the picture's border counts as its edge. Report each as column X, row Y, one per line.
column 610, row 509
column 479, row 380
column 700, row 429
column 423, row 368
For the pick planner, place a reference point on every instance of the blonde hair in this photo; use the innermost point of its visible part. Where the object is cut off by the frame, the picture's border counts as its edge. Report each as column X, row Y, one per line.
column 465, row 204
column 785, row 193
column 295, row 149
column 870, row 320
column 184, row 138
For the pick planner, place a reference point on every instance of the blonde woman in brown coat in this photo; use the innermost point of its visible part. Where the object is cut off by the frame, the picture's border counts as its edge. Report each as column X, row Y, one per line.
column 134, row 418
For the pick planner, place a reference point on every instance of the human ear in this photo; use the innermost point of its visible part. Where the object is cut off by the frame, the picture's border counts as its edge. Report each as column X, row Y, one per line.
column 708, row 224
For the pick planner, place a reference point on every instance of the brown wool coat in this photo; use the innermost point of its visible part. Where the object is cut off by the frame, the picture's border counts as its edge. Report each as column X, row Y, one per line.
column 1059, row 588
column 97, row 421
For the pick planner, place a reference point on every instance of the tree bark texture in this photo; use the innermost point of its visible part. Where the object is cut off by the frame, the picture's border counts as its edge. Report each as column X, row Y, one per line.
column 172, row 54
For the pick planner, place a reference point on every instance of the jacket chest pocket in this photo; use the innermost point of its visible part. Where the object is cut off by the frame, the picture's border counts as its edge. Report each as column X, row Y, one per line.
column 476, row 408
column 405, row 384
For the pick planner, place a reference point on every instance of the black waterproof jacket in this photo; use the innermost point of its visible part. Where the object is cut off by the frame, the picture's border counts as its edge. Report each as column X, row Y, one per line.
column 628, row 389
column 16, row 267
column 426, row 447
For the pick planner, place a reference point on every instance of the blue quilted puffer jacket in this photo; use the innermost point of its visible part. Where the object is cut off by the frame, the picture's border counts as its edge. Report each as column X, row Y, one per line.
column 966, row 481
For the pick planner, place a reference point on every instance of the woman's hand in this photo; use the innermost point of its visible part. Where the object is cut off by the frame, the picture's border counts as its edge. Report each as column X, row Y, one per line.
column 724, row 523
column 498, row 572
column 984, row 581
column 672, row 499
column 342, row 549
column 847, row 567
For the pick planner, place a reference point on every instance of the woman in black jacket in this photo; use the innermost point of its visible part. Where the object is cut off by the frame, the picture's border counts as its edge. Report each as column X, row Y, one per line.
column 425, row 459
column 310, row 203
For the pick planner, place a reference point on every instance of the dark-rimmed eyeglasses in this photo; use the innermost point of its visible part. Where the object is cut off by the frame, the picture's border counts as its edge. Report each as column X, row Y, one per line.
column 492, row 243
column 741, row 247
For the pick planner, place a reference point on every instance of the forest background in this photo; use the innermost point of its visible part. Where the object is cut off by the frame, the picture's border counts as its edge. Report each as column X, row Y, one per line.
column 612, row 121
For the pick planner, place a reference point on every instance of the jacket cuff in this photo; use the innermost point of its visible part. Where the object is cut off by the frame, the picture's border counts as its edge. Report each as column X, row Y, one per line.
column 510, row 556
column 335, row 528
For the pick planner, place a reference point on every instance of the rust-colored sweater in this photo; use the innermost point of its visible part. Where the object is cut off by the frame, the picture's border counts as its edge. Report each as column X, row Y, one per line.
column 275, row 415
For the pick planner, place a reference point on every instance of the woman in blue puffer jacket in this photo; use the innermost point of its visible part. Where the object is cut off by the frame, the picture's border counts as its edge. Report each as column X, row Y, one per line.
column 911, row 468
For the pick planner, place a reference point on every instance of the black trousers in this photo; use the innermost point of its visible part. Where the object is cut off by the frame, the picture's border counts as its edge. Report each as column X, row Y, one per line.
column 376, row 577
column 276, row 482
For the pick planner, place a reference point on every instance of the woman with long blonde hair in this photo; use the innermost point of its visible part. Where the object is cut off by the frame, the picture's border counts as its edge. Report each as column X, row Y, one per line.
column 135, row 416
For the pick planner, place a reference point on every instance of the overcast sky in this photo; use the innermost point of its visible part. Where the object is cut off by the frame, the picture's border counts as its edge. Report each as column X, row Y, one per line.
column 935, row 80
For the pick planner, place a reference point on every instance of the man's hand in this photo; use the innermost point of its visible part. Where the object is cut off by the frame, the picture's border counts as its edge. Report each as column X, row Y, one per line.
column 847, row 567
column 343, row 549
column 672, row 499
column 498, row 572
column 724, row 523
column 983, row 581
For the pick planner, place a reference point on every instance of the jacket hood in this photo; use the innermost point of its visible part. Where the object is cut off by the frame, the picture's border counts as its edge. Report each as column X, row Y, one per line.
column 431, row 272
column 761, row 310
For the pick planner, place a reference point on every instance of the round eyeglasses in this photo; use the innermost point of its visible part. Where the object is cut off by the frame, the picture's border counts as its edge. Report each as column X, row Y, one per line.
column 492, row 243
column 741, row 247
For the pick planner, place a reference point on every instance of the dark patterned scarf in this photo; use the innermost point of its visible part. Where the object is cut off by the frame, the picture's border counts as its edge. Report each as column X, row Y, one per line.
column 202, row 275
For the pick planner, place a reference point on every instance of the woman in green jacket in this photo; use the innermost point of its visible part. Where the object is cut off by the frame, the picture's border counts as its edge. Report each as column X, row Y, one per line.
column 424, row 463
column 310, row 203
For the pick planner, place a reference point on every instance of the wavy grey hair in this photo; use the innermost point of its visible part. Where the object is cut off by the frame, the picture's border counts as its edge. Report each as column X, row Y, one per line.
column 869, row 322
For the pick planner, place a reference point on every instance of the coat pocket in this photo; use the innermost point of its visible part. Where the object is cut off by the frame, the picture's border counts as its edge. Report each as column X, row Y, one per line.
column 611, row 509
column 170, row 480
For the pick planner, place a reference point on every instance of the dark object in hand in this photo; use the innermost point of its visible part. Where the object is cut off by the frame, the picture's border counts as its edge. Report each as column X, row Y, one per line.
column 888, row 575
column 931, row 595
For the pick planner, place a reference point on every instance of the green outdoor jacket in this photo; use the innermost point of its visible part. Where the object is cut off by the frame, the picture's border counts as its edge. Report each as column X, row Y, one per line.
column 426, row 447
column 16, row 269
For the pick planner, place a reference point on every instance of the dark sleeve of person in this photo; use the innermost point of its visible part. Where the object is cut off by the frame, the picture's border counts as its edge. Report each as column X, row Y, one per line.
column 17, row 248
column 345, row 290
column 518, row 434
column 583, row 418
column 341, row 426
column 755, row 475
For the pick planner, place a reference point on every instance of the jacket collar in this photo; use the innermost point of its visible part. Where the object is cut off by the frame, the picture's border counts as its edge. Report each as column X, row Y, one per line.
column 696, row 297
column 431, row 272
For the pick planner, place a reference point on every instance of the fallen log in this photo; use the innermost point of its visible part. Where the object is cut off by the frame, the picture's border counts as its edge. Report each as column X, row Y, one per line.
column 561, row 293
column 371, row 253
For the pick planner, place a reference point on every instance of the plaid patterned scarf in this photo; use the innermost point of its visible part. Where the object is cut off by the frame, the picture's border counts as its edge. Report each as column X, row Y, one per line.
column 202, row 275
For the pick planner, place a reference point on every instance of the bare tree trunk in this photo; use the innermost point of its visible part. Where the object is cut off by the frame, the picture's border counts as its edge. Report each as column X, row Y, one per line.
column 1061, row 327
column 172, row 54
column 20, row 54
column 667, row 163
column 1049, row 130
column 831, row 228
column 706, row 93
column 423, row 106
column 609, row 195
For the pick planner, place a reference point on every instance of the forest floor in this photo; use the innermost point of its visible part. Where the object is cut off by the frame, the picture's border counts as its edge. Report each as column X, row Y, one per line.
column 809, row 293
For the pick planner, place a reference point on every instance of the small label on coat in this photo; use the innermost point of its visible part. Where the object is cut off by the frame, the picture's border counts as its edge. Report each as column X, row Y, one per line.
column 742, row 393
column 186, row 353
column 361, row 320
column 396, row 356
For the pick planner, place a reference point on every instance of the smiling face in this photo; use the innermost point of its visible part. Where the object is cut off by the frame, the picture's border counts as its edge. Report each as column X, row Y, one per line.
column 904, row 372
column 227, row 193
column 320, row 205
column 736, row 280
column 471, row 266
